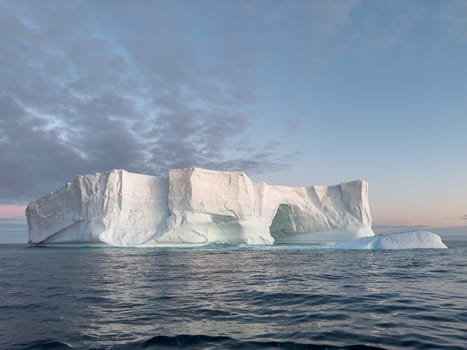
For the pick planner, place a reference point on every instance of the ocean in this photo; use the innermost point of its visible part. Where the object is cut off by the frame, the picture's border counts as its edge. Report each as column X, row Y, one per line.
column 237, row 297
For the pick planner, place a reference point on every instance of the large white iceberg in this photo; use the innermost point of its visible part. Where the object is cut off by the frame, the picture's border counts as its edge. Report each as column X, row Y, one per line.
column 194, row 207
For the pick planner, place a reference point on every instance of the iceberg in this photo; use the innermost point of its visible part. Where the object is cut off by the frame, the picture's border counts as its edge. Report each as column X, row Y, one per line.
column 196, row 206
column 401, row 240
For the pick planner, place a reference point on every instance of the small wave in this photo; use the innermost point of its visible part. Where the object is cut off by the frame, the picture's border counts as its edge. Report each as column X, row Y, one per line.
column 201, row 341
column 45, row 345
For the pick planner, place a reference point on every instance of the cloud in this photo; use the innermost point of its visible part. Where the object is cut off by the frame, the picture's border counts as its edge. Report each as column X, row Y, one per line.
column 145, row 86
column 81, row 92
column 11, row 212
column 464, row 217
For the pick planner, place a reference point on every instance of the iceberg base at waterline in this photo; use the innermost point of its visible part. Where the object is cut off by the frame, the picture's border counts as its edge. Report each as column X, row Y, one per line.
column 388, row 241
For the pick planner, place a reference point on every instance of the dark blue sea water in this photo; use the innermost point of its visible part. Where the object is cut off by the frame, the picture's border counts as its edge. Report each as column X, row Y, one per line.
column 232, row 298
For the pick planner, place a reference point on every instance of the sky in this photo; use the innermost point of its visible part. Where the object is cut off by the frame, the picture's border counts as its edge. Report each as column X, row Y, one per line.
column 291, row 92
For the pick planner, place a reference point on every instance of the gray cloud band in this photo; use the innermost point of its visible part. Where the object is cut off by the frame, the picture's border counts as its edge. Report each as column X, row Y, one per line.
column 75, row 99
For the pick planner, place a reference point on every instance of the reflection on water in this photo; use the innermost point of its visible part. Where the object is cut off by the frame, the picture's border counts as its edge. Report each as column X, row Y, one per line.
column 97, row 297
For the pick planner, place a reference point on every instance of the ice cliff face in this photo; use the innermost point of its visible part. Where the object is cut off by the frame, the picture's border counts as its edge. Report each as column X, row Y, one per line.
column 197, row 206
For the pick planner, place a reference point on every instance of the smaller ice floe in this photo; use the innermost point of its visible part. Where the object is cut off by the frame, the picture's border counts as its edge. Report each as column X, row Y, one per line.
column 403, row 240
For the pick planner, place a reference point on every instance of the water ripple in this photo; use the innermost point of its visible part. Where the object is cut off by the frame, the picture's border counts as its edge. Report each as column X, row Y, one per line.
column 108, row 298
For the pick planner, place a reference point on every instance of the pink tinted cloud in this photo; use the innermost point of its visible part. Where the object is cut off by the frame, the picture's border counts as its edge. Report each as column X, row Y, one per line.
column 11, row 211
column 415, row 223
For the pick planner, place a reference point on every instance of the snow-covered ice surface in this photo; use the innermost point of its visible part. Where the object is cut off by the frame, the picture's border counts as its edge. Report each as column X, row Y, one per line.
column 402, row 240
column 195, row 207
